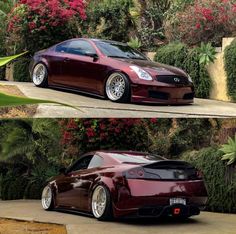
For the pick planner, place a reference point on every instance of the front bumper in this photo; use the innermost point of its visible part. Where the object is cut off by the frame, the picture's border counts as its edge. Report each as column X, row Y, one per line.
column 169, row 95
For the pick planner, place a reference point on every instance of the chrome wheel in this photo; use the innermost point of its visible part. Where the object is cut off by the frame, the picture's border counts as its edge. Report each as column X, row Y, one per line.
column 99, row 201
column 39, row 74
column 47, row 198
column 115, row 86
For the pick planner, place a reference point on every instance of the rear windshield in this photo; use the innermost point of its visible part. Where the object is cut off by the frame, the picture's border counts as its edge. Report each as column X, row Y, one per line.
column 139, row 159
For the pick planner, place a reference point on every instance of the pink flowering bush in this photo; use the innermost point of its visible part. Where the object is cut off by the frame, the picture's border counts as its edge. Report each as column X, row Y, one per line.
column 37, row 24
column 204, row 21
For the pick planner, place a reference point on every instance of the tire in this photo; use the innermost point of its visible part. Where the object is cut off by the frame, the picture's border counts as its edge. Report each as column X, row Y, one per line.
column 47, row 198
column 102, row 212
column 40, row 75
column 117, row 88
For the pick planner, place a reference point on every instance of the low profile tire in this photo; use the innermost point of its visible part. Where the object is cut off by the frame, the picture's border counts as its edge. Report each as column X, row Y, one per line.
column 40, row 75
column 101, row 204
column 47, row 198
column 118, row 88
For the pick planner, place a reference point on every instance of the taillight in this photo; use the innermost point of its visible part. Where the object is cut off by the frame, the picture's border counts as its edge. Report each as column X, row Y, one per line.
column 135, row 173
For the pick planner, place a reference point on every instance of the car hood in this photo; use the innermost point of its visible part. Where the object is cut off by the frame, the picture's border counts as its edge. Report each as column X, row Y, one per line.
column 153, row 67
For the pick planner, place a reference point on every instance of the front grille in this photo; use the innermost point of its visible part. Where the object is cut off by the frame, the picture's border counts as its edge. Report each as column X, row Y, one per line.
column 159, row 95
column 188, row 96
column 171, row 79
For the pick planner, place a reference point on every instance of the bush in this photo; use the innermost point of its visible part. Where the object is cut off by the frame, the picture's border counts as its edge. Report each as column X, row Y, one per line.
column 108, row 19
column 230, row 68
column 173, row 54
column 203, row 21
column 41, row 23
column 21, row 70
column 179, row 55
column 220, row 179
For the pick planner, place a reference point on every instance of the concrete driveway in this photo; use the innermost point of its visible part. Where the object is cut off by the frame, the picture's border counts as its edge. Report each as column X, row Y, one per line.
column 206, row 223
column 92, row 107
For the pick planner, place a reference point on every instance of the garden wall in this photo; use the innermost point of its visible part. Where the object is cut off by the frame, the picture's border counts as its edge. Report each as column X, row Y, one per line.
column 218, row 74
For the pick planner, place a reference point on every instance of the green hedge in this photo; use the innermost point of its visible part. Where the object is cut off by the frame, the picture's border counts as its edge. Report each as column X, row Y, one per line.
column 220, row 179
column 179, row 55
column 21, row 70
column 230, row 68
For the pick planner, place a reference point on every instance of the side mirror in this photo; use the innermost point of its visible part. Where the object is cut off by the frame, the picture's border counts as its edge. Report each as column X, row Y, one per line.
column 62, row 171
column 92, row 55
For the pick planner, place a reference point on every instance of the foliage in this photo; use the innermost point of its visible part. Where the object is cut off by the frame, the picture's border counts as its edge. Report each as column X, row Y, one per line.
column 6, row 60
column 108, row 19
column 204, row 21
column 134, row 43
column 230, row 68
column 207, row 54
column 21, row 70
column 220, row 179
column 148, row 17
column 173, row 54
column 35, row 25
column 179, row 55
column 83, row 135
column 229, row 151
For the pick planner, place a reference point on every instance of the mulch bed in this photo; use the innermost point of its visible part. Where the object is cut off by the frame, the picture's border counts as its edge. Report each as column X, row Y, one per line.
column 18, row 111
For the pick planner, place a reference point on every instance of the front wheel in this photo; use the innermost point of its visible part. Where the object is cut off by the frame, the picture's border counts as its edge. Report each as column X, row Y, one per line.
column 47, row 198
column 101, row 204
column 40, row 75
column 118, row 87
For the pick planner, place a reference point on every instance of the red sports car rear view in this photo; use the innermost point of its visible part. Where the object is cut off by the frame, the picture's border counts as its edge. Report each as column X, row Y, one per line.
column 112, row 70
column 117, row 184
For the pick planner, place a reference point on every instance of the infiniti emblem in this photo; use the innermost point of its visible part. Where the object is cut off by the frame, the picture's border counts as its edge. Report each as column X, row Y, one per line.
column 176, row 79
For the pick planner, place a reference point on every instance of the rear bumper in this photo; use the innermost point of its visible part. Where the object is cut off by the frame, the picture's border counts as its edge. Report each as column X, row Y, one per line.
column 138, row 195
column 162, row 94
column 177, row 211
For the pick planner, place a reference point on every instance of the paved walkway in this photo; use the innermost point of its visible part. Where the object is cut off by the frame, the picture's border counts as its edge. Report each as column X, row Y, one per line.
column 206, row 223
column 93, row 107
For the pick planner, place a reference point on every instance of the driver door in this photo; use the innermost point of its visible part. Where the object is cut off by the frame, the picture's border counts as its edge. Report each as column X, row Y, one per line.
column 69, row 185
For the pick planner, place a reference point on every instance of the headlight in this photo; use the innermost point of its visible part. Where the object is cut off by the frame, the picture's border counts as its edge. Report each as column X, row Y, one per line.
column 190, row 79
column 141, row 73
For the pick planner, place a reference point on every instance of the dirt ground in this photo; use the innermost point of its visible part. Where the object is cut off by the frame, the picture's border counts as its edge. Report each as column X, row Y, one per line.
column 19, row 227
column 16, row 112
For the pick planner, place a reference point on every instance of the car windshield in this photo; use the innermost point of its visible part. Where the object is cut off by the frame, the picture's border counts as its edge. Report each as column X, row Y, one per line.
column 137, row 159
column 118, row 50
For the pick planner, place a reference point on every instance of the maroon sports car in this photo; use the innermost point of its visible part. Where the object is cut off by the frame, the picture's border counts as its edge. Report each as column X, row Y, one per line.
column 116, row 184
column 110, row 69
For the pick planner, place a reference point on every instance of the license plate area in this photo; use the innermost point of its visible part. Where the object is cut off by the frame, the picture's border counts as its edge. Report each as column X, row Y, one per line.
column 176, row 201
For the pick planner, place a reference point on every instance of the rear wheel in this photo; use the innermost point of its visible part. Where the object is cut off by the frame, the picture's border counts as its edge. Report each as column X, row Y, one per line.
column 47, row 198
column 118, row 87
column 101, row 203
column 40, row 75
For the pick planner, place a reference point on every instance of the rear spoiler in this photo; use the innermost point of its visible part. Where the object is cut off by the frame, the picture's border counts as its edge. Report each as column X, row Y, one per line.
column 169, row 164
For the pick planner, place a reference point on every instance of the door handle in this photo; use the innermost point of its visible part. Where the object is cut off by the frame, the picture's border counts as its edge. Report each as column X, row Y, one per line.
column 66, row 60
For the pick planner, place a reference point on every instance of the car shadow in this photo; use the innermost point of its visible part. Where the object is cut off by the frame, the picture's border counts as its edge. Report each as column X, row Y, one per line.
column 94, row 96
column 162, row 221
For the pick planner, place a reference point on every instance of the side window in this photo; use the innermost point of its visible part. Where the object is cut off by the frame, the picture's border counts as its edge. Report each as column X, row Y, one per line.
column 80, row 47
column 81, row 164
column 62, row 48
column 96, row 161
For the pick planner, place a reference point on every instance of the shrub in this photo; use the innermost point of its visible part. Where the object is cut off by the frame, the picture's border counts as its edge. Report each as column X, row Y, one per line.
column 35, row 25
column 21, row 69
column 108, row 19
column 173, row 54
column 230, row 68
column 204, row 21
column 219, row 178
column 179, row 55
